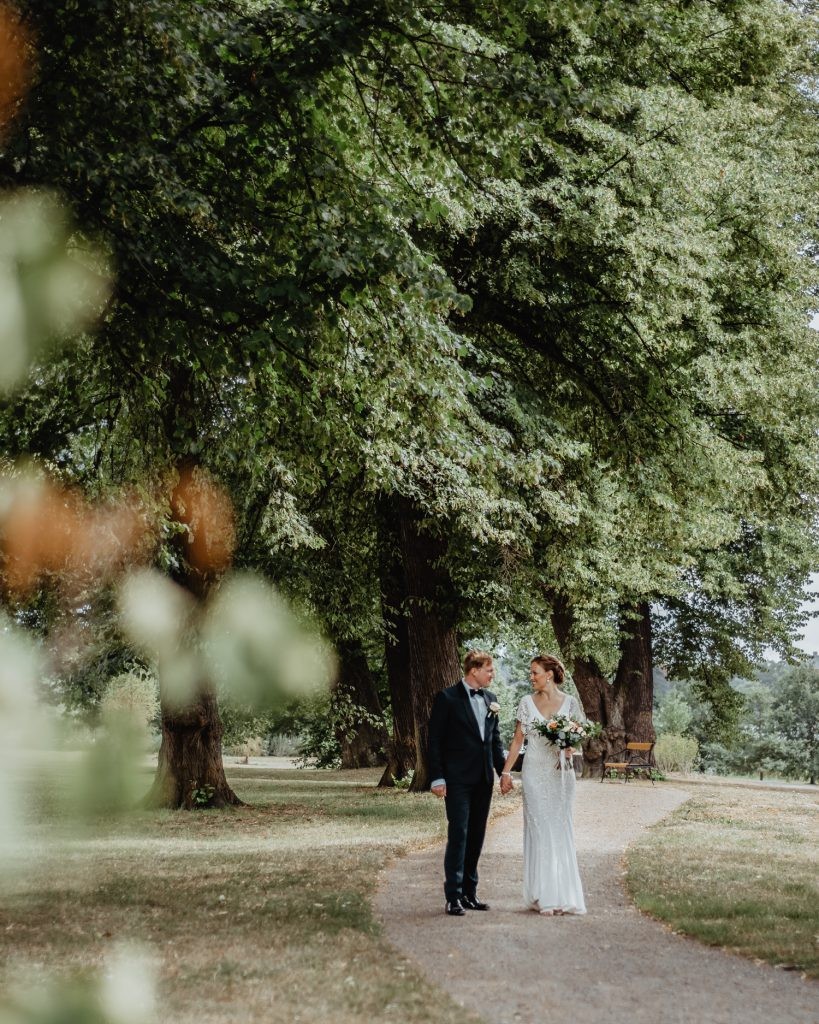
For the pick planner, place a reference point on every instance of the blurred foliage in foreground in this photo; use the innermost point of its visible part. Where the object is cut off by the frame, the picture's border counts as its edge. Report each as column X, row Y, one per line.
column 451, row 324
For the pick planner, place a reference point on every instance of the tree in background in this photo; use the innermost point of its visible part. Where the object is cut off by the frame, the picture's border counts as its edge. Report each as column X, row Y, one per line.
column 771, row 728
column 480, row 321
column 795, row 708
column 673, row 714
column 632, row 300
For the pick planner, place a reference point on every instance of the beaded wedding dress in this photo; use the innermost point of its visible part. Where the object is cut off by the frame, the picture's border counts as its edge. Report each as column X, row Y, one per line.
column 551, row 880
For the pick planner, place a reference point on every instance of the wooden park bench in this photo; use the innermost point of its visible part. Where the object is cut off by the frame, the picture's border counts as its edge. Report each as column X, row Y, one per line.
column 636, row 758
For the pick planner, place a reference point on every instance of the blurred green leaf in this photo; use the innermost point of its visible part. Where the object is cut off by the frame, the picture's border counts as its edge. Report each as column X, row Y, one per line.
column 47, row 290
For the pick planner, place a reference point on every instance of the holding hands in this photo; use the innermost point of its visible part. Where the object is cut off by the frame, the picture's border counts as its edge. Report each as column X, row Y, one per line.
column 506, row 784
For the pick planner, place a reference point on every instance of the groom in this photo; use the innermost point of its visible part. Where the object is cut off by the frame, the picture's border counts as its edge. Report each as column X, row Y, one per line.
column 464, row 746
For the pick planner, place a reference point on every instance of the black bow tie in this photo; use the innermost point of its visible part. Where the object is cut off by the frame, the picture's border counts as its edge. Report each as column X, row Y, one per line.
column 474, row 693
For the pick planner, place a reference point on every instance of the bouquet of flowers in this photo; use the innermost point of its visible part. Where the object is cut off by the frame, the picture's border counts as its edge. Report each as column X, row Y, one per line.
column 566, row 732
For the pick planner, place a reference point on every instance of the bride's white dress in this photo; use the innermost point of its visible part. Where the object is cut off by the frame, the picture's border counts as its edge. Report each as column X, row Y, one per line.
column 551, row 880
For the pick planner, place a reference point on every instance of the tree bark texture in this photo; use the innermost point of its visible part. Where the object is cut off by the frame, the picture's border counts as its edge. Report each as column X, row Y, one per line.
column 421, row 645
column 433, row 647
column 355, row 682
column 190, row 772
column 401, row 747
column 601, row 702
column 634, row 681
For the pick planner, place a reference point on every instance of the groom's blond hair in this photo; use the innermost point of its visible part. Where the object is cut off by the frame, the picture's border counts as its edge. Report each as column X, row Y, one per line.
column 475, row 659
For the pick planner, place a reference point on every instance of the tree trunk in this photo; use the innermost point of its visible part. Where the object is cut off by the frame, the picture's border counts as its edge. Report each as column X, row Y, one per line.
column 600, row 701
column 422, row 650
column 601, row 704
column 625, row 707
column 634, row 681
column 365, row 748
column 433, row 646
column 401, row 747
column 190, row 773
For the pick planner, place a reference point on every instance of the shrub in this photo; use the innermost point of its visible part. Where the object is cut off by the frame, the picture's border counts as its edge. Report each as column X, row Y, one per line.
column 241, row 725
column 673, row 715
column 321, row 747
column 284, row 744
column 406, row 782
column 130, row 699
column 675, row 753
column 324, row 722
column 252, row 746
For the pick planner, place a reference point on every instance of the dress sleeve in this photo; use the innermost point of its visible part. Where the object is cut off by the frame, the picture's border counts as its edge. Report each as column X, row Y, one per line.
column 576, row 709
column 522, row 713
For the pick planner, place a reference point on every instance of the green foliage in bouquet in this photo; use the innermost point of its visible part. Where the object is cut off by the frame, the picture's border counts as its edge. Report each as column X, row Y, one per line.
column 567, row 732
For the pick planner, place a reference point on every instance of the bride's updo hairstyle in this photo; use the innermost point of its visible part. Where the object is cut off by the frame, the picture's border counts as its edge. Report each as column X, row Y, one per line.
column 548, row 663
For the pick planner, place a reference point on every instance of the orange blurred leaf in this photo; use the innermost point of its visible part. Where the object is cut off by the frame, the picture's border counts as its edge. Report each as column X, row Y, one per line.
column 16, row 61
column 207, row 512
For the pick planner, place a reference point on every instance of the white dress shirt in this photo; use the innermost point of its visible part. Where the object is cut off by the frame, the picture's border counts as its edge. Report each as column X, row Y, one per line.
column 478, row 705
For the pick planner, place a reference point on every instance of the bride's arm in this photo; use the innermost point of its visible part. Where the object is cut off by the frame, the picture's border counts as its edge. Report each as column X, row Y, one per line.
column 514, row 750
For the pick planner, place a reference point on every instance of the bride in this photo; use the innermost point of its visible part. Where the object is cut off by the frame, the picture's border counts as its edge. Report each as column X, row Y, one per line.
column 551, row 881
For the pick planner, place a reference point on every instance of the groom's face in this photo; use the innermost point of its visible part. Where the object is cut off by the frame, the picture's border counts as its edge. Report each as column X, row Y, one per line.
column 482, row 676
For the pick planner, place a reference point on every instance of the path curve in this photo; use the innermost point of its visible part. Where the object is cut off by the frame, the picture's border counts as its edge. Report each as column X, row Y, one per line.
column 510, row 965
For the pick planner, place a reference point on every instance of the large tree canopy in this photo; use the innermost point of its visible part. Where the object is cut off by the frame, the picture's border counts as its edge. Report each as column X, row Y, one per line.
column 483, row 318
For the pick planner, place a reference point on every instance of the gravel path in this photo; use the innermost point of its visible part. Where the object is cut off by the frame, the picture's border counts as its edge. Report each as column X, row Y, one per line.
column 513, row 967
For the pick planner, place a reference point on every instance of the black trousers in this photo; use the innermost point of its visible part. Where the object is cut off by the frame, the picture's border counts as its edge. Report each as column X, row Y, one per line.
column 467, row 808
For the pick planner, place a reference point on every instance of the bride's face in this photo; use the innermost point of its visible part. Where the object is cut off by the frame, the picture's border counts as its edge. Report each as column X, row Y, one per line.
column 540, row 677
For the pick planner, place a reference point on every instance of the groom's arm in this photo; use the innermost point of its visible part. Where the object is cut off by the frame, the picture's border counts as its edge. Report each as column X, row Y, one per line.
column 437, row 729
column 498, row 756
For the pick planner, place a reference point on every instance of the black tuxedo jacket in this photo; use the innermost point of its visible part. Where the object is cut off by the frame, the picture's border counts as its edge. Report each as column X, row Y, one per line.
column 456, row 751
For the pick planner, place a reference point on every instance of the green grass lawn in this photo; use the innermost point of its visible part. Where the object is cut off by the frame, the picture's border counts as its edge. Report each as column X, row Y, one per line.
column 736, row 868
column 256, row 914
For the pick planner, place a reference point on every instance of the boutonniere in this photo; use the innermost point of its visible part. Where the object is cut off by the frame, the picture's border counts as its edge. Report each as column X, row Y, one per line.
column 494, row 708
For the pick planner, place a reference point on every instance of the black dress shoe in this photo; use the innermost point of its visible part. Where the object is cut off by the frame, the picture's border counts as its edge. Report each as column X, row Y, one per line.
column 473, row 903
column 455, row 909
